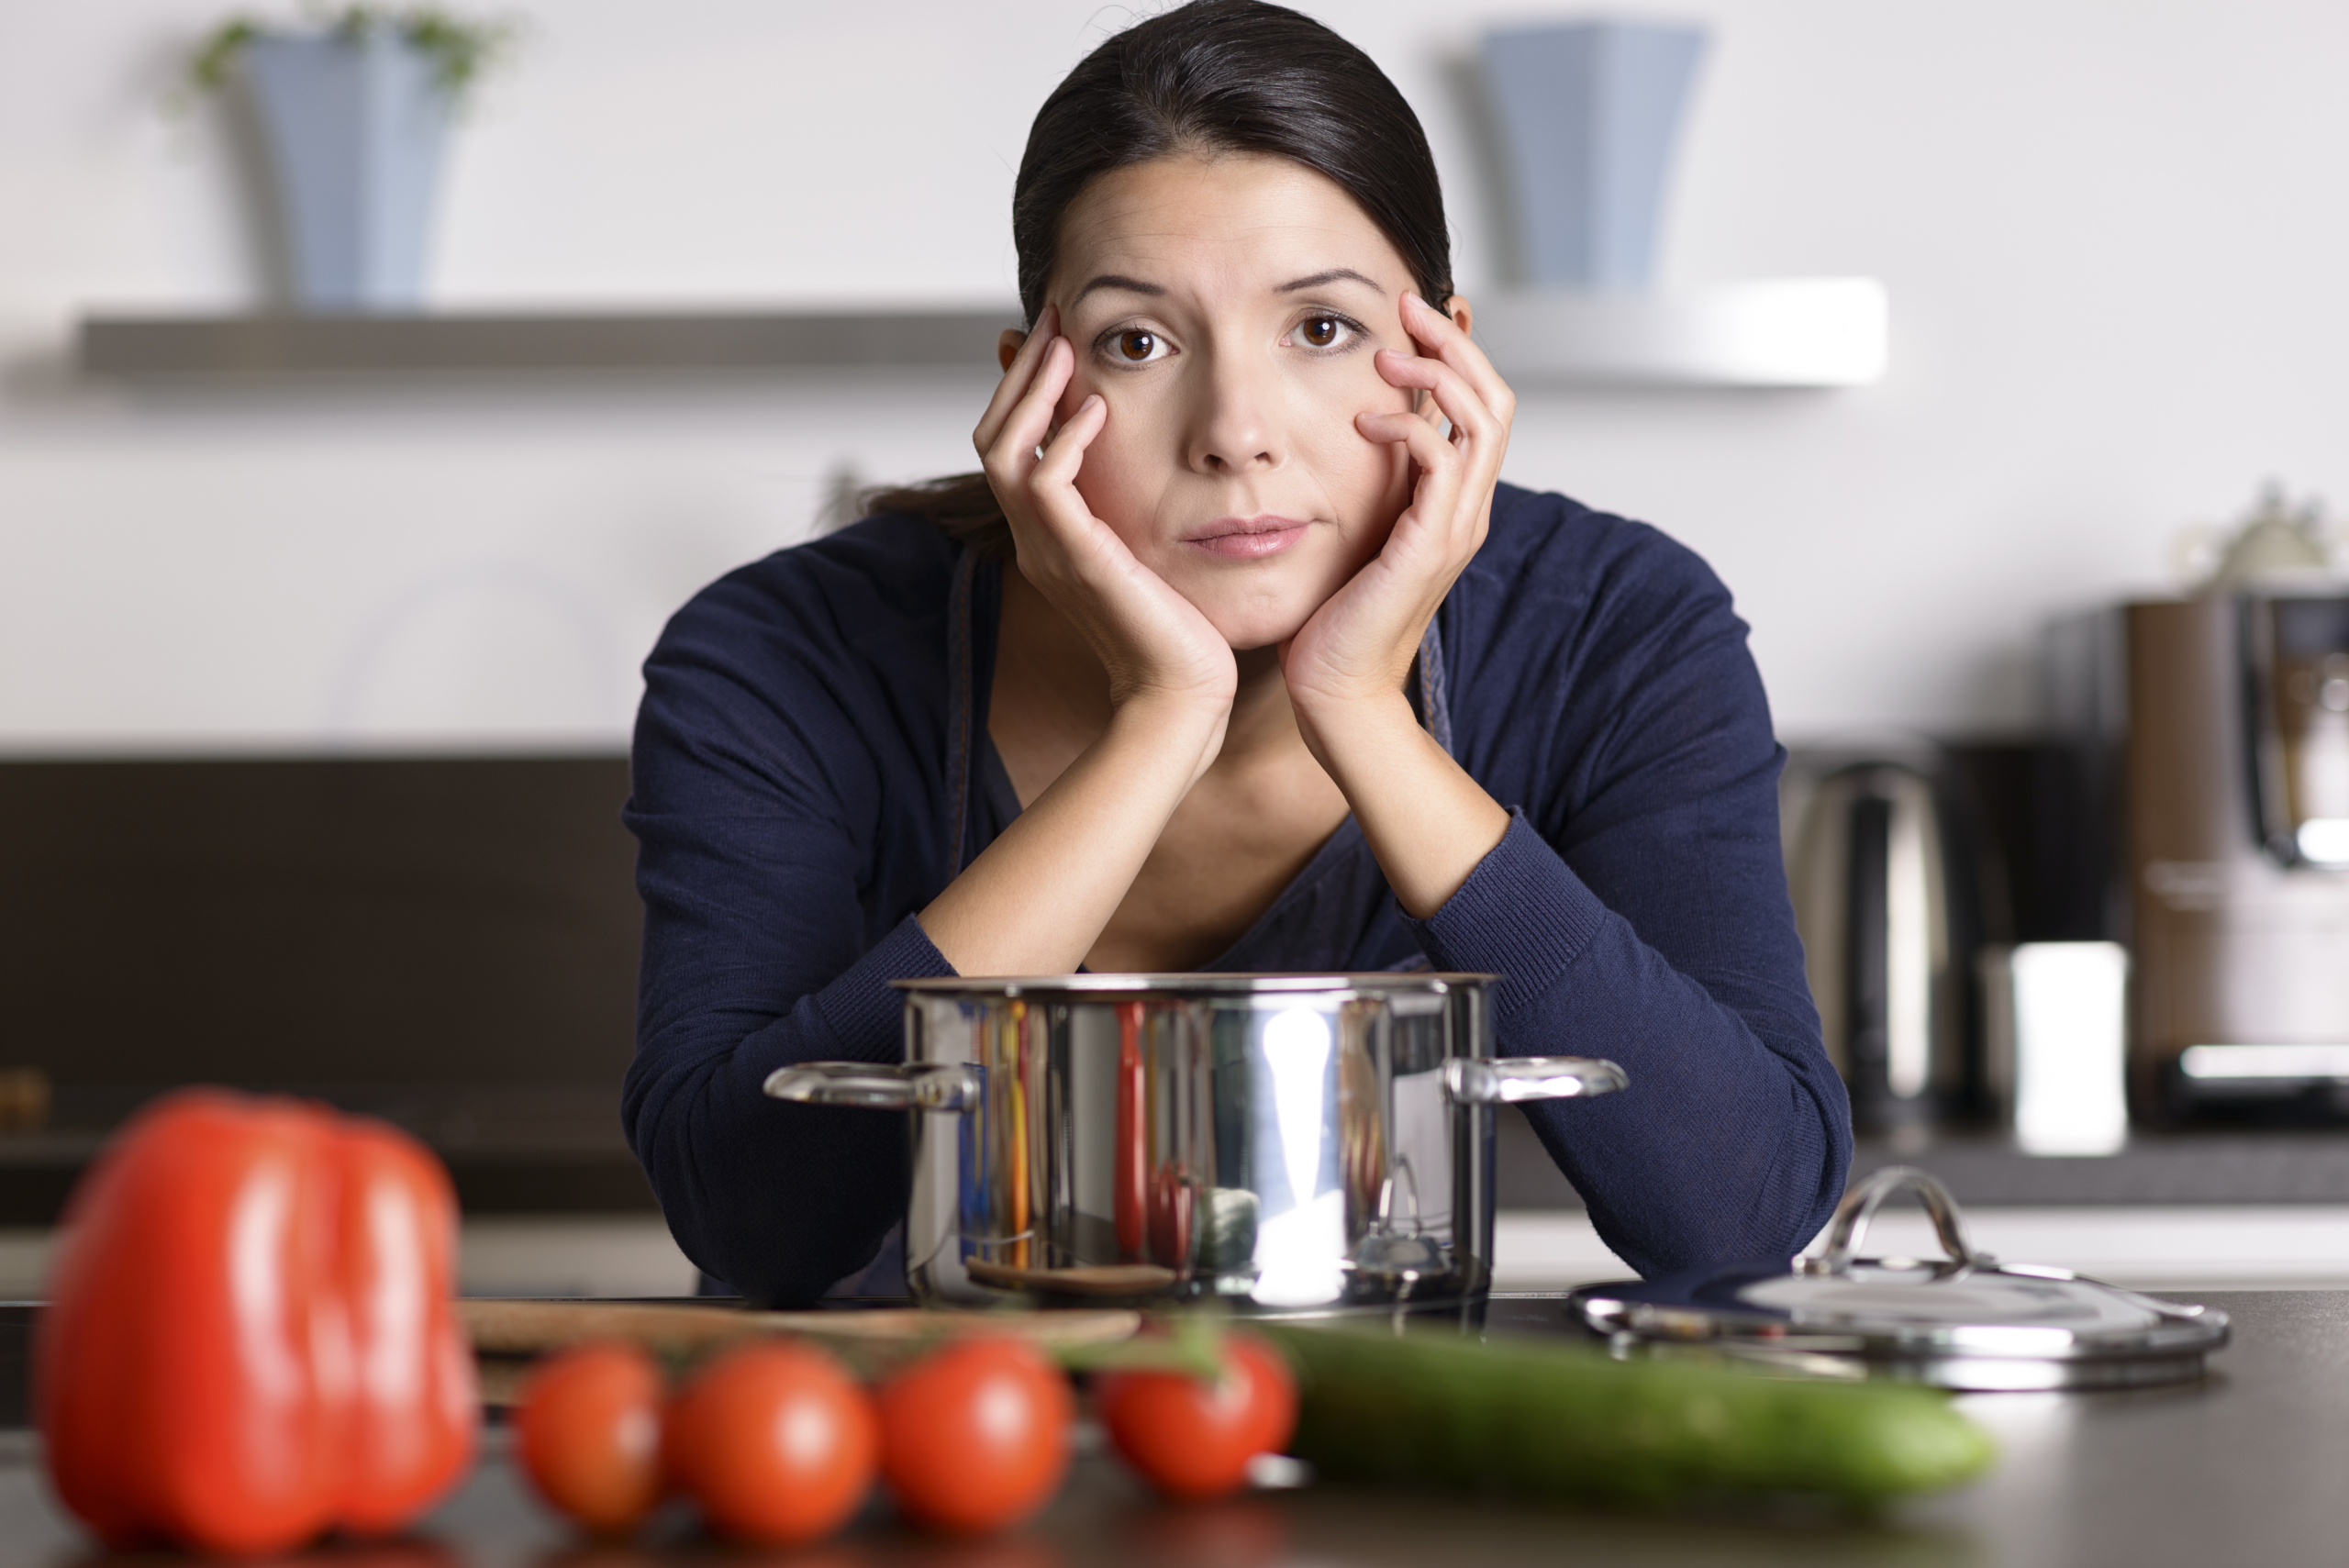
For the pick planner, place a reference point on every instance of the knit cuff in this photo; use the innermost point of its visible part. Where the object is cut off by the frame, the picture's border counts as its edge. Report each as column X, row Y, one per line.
column 1522, row 914
column 864, row 1013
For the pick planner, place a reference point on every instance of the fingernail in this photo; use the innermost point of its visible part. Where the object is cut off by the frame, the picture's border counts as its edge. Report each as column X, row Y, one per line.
column 1090, row 399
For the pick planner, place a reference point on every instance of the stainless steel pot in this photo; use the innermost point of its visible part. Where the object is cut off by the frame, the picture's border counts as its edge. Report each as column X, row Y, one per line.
column 1284, row 1143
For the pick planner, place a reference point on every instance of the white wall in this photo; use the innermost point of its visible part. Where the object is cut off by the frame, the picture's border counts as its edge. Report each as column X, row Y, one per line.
column 2112, row 231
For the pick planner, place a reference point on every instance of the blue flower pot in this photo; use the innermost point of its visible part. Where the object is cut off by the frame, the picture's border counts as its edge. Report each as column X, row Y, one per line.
column 351, row 127
column 1588, row 117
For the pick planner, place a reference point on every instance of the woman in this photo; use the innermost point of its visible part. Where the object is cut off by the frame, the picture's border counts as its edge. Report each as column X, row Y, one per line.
column 1238, row 656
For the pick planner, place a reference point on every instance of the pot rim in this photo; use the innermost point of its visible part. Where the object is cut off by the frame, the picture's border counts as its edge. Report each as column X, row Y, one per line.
column 1422, row 981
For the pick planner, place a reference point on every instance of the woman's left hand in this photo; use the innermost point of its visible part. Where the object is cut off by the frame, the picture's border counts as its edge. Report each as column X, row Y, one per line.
column 1359, row 645
column 1426, row 819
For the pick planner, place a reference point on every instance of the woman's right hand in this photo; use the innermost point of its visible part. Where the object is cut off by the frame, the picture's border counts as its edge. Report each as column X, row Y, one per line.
column 1153, row 643
column 1172, row 679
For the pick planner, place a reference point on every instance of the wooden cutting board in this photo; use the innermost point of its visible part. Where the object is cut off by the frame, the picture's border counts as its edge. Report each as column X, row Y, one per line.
column 503, row 1328
column 506, row 1334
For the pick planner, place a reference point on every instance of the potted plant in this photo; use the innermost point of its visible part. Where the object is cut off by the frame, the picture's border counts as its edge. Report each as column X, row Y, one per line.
column 351, row 109
column 1588, row 115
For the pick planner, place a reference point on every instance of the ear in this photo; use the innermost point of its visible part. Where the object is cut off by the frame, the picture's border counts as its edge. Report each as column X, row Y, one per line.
column 1461, row 316
column 1007, row 348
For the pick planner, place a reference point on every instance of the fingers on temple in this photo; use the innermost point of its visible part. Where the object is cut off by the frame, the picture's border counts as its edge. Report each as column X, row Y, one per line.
column 1011, row 453
column 1454, row 397
column 1051, row 479
column 1018, row 379
column 1066, row 452
column 1009, row 390
column 1455, row 348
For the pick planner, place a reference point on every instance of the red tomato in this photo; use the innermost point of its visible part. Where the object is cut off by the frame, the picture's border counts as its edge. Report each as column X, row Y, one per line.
column 1191, row 1439
column 974, row 1437
column 589, row 1434
column 776, row 1441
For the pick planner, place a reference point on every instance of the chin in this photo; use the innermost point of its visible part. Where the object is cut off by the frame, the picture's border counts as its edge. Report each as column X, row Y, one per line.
column 1252, row 626
column 1269, row 601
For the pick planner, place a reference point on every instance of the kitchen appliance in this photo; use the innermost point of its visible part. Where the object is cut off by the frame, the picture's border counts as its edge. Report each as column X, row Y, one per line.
column 2227, row 719
column 1965, row 1322
column 2055, row 1045
column 1876, row 891
column 1278, row 1143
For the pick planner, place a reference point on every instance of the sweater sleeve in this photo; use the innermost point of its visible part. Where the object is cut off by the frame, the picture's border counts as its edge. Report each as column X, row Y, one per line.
column 1638, row 912
column 754, row 806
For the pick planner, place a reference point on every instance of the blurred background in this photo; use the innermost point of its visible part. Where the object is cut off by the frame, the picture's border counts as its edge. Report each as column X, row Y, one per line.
column 316, row 670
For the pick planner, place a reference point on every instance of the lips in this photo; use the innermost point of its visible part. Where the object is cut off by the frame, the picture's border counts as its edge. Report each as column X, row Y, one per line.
column 1246, row 538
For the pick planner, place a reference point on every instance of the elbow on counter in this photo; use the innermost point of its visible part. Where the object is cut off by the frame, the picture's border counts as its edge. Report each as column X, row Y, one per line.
column 774, row 1202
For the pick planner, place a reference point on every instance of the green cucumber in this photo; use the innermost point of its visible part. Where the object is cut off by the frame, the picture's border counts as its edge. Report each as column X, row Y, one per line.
column 1563, row 1420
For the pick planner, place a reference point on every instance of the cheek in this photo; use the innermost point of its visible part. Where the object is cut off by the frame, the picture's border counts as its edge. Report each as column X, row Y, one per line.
column 1367, row 480
column 1124, row 473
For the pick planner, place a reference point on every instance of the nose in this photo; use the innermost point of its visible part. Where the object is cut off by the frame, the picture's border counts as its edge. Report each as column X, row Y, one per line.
column 1233, row 423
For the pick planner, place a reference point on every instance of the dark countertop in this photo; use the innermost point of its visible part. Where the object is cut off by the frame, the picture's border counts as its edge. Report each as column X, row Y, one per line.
column 2245, row 1466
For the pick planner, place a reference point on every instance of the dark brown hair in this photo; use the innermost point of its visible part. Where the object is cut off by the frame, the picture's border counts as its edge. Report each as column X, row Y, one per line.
column 1213, row 76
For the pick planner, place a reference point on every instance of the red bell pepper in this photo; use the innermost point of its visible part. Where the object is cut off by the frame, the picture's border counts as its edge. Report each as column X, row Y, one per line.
column 250, row 1338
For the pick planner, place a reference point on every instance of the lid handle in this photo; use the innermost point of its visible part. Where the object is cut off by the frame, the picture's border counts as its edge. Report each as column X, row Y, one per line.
column 1859, row 1205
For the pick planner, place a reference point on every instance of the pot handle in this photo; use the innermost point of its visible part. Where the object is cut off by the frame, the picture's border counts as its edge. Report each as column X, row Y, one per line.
column 880, row 1086
column 1505, row 1080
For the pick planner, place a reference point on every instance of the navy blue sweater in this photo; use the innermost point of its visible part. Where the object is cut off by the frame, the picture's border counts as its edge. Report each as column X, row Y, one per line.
column 794, row 799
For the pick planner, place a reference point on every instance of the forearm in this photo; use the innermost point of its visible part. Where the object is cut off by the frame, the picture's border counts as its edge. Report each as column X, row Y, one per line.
column 1428, row 822
column 776, row 1200
column 1733, row 1138
column 1724, row 1149
column 1039, row 897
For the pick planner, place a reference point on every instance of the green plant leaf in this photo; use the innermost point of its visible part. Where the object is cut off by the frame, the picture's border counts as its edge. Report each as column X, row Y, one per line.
column 459, row 47
column 207, row 69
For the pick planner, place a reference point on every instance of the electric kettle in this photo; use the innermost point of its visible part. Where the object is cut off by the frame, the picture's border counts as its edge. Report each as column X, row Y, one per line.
column 1871, row 871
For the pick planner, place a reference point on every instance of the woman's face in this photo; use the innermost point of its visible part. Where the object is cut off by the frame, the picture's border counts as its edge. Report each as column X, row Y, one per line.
column 1227, row 310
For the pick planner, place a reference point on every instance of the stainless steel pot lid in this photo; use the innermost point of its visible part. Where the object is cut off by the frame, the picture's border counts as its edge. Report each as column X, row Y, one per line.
column 1965, row 1322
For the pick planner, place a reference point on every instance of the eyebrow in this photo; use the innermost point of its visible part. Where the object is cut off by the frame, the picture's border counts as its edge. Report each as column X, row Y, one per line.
column 1334, row 275
column 1118, row 281
column 1310, row 280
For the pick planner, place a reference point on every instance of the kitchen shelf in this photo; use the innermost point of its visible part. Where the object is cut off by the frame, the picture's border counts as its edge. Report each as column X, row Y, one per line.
column 1785, row 332
column 1796, row 332
column 225, row 348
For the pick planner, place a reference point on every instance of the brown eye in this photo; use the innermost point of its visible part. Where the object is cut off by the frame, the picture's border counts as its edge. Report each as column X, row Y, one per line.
column 1138, row 346
column 1322, row 330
